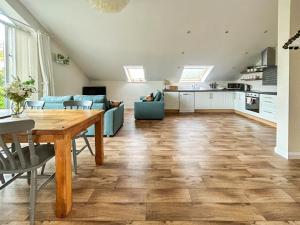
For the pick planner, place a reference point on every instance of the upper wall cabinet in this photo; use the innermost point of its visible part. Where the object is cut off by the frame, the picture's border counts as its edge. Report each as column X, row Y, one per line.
column 270, row 75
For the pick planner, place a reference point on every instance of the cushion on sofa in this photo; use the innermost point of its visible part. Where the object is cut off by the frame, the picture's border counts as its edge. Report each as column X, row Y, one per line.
column 158, row 96
column 57, row 99
column 99, row 101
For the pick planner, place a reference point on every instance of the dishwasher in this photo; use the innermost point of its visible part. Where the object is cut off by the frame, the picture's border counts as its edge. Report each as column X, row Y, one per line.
column 187, row 102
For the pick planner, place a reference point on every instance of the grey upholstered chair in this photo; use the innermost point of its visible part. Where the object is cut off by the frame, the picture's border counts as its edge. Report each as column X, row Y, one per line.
column 23, row 159
column 84, row 105
column 35, row 104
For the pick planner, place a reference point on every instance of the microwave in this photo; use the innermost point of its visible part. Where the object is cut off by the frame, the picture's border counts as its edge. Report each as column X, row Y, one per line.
column 236, row 86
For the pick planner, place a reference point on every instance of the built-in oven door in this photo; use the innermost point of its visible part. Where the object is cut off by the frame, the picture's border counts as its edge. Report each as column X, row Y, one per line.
column 252, row 104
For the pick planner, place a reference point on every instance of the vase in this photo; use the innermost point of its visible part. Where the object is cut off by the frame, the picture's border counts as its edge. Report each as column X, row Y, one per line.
column 17, row 109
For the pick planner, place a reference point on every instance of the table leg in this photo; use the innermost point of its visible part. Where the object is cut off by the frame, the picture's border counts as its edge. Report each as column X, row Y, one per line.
column 99, row 154
column 63, row 175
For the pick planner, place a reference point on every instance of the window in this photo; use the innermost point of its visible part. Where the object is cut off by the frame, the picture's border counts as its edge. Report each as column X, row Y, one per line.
column 195, row 73
column 135, row 73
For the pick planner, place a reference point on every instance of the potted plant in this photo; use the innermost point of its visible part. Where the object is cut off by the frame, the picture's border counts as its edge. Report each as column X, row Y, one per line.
column 18, row 92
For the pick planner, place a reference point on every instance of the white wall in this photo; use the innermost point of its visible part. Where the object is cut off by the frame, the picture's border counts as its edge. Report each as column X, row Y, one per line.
column 68, row 79
column 288, row 130
column 294, row 83
column 128, row 92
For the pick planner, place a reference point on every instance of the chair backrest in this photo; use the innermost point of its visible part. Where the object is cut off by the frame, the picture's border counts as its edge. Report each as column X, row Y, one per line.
column 35, row 104
column 78, row 105
column 18, row 160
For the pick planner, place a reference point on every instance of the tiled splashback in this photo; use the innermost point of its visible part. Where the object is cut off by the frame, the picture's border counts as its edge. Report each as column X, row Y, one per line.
column 255, row 85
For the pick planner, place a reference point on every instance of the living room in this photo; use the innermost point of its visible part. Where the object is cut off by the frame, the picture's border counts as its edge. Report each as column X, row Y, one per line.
column 149, row 112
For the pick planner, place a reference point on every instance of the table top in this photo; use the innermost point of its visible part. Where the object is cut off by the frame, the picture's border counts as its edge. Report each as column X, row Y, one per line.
column 49, row 122
column 4, row 113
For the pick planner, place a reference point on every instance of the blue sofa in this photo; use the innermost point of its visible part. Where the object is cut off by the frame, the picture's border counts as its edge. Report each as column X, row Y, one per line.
column 113, row 118
column 154, row 110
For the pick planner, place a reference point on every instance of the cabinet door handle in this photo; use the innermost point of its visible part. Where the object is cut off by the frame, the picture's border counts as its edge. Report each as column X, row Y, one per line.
column 268, row 112
column 269, row 102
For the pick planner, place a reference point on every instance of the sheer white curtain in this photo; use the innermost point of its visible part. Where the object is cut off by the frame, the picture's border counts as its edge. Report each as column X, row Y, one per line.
column 26, row 56
column 45, row 59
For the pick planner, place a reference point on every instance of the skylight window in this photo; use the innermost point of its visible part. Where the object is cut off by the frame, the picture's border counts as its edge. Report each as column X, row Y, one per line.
column 195, row 73
column 135, row 73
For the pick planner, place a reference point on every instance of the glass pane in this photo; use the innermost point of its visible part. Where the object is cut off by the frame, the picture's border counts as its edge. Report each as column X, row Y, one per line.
column 135, row 73
column 2, row 65
column 195, row 73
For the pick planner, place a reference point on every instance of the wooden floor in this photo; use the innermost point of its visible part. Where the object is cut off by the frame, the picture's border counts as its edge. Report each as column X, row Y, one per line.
column 184, row 170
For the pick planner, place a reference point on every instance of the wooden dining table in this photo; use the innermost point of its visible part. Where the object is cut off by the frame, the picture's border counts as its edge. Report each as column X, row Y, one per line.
column 59, row 127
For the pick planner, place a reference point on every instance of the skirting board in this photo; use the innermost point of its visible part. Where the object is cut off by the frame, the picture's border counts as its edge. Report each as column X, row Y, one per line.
column 272, row 124
column 214, row 111
column 269, row 123
column 288, row 155
column 171, row 110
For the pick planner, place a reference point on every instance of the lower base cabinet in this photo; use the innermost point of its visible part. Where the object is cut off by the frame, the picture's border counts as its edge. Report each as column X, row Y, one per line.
column 171, row 100
column 220, row 100
column 214, row 100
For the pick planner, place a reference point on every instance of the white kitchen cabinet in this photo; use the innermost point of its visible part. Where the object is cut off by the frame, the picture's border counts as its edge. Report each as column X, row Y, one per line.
column 187, row 101
column 229, row 100
column 171, row 100
column 203, row 100
column 214, row 100
column 268, row 107
column 240, row 101
column 218, row 100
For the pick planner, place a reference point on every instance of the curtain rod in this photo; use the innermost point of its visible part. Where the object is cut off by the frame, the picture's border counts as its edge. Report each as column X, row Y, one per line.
column 24, row 24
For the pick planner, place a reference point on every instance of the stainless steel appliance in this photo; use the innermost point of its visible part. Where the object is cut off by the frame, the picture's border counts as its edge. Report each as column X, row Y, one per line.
column 236, row 86
column 252, row 102
column 247, row 87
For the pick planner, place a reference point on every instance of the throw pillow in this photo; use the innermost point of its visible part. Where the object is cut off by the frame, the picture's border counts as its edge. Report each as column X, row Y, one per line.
column 149, row 98
column 113, row 104
column 157, row 96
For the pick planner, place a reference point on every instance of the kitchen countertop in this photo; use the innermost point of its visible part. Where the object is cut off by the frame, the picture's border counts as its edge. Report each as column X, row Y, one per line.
column 222, row 90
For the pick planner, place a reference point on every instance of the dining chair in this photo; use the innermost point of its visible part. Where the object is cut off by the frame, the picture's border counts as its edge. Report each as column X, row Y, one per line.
column 26, row 159
column 35, row 104
column 77, row 105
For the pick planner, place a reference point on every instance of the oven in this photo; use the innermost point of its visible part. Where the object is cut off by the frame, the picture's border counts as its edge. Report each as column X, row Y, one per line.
column 252, row 102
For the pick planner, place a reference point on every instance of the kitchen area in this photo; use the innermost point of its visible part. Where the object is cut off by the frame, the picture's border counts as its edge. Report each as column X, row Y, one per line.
column 253, row 95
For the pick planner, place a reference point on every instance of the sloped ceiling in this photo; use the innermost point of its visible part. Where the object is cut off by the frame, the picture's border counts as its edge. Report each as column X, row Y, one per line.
column 154, row 33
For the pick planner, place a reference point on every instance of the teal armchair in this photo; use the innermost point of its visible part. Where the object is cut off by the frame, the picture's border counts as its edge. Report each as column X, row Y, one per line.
column 113, row 118
column 154, row 110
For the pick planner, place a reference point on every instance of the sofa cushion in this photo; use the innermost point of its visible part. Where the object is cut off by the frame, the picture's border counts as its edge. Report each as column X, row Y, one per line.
column 99, row 101
column 158, row 96
column 57, row 99
column 93, row 98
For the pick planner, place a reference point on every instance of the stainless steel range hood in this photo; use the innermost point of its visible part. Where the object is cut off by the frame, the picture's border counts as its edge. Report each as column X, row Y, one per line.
column 268, row 57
